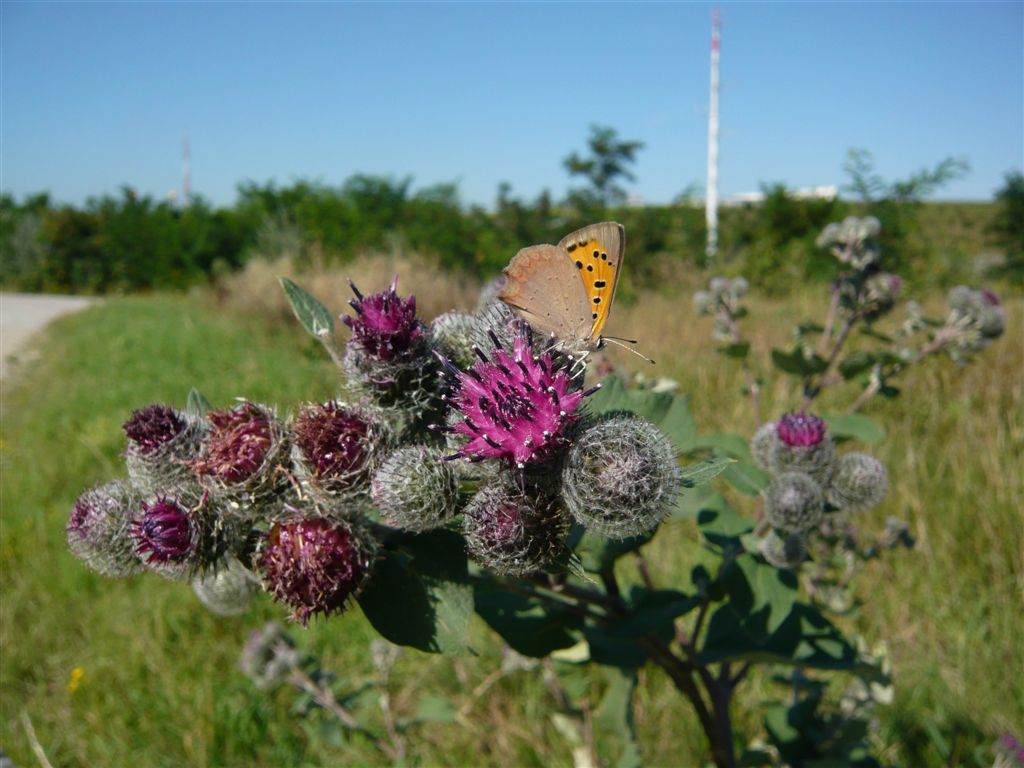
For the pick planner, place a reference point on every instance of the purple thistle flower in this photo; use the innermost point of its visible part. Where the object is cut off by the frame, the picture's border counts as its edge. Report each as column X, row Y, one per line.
column 153, row 426
column 315, row 566
column 237, row 444
column 515, row 407
column 990, row 298
column 333, row 439
column 385, row 324
column 164, row 534
column 801, row 429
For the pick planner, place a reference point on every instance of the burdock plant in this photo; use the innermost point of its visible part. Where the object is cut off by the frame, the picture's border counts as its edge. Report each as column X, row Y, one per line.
column 367, row 498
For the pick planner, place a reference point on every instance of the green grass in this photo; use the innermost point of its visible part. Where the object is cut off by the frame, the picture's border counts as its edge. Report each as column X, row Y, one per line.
column 161, row 684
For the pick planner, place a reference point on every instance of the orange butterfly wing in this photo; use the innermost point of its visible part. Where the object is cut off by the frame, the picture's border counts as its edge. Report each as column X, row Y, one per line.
column 597, row 252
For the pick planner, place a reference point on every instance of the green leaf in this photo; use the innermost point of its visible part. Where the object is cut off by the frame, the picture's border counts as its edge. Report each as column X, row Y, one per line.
column 598, row 553
column 806, row 638
column 420, row 594
column 313, row 315
column 725, row 443
column 652, row 611
column 797, row 363
column 691, row 502
column 678, row 423
column 705, row 471
column 669, row 413
column 746, row 478
column 738, row 351
column 853, row 425
column 529, row 627
column 720, row 518
column 197, row 405
column 754, row 587
column 614, row 715
column 856, row 363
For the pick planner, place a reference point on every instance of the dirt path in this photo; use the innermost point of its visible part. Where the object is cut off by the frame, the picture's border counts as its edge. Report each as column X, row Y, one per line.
column 24, row 314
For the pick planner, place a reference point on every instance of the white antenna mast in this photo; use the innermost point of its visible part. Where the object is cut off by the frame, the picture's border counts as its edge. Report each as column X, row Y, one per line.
column 711, row 200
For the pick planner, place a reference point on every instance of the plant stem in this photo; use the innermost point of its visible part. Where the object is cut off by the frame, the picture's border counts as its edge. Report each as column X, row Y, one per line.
column 301, row 679
column 811, row 391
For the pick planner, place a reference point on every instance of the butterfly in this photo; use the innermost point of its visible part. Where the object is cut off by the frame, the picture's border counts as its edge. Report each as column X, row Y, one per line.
column 567, row 289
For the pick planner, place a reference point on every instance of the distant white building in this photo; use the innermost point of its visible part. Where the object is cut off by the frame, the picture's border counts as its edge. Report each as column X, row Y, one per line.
column 822, row 192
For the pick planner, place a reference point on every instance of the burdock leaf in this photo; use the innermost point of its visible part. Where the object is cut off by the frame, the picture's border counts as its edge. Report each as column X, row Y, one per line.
column 705, row 471
column 529, row 627
column 313, row 315
column 420, row 594
column 853, row 425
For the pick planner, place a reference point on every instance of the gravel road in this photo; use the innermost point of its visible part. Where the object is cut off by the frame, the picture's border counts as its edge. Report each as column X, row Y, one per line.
column 24, row 314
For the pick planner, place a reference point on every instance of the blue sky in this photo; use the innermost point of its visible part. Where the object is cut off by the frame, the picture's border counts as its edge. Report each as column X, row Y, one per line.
column 96, row 95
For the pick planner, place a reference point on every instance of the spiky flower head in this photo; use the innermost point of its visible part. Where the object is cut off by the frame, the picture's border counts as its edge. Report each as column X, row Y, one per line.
column 161, row 442
column 804, row 445
column 336, row 447
column 453, row 332
column 99, row 529
column 879, row 294
column 269, row 656
column 514, row 533
column 316, row 565
column 416, row 489
column 385, row 325
column 621, row 477
column 859, row 483
column 227, row 590
column 389, row 355
column 786, row 551
column 852, row 241
column 799, row 429
column 516, row 407
column 164, row 533
column 704, row 302
column 762, row 445
column 793, row 502
column 241, row 454
column 151, row 427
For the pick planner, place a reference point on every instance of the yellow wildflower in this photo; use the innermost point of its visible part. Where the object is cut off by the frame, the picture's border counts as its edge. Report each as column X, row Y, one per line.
column 77, row 675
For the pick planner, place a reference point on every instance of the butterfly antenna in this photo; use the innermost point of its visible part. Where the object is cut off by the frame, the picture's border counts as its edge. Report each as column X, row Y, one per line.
column 618, row 342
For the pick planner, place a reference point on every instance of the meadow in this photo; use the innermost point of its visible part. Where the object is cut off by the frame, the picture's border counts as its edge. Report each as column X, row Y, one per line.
column 159, row 683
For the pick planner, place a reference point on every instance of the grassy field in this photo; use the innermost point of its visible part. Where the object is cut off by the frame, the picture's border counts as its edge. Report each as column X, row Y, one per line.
column 161, row 685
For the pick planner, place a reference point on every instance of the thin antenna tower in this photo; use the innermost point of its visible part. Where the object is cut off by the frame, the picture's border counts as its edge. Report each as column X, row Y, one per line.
column 186, row 184
column 711, row 200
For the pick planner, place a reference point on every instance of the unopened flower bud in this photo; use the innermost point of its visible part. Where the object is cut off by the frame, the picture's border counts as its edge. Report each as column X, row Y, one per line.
column 164, row 533
column 793, row 502
column 228, row 590
column 762, row 445
column 161, row 442
column 316, row 566
column 786, row 551
column 621, row 477
column 99, row 530
column 336, row 447
column 859, row 483
column 703, row 302
column 416, row 489
column 512, row 533
column 804, row 446
column 454, row 334
column 269, row 656
column 241, row 456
